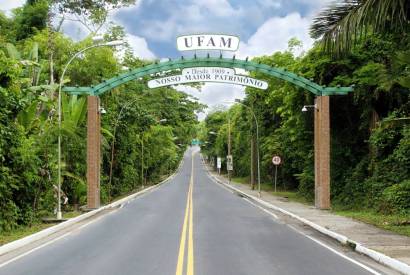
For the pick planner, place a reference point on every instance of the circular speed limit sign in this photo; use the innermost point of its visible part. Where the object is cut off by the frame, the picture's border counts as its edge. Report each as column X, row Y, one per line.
column 276, row 160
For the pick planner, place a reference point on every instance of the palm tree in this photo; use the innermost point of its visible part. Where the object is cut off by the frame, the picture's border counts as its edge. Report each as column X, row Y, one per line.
column 341, row 24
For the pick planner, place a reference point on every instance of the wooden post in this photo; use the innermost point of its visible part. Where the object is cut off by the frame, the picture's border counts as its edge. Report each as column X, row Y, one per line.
column 93, row 152
column 322, row 152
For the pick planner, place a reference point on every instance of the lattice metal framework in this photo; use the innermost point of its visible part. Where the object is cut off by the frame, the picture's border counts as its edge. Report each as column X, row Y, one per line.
column 172, row 65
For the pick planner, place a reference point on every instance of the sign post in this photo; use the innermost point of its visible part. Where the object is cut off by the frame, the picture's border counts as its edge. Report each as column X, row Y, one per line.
column 219, row 164
column 276, row 160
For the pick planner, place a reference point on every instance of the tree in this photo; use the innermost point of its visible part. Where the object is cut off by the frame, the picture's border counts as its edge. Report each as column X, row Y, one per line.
column 92, row 14
column 31, row 18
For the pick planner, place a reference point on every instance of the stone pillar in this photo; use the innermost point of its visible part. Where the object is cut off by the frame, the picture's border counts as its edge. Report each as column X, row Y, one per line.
column 93, row 152
column 322, row 153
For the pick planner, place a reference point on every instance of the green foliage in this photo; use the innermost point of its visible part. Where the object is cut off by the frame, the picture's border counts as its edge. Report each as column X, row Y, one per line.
column 31, row 18
column 162, row 120
column 370, row 133
column 397, row 197
column 145, row 132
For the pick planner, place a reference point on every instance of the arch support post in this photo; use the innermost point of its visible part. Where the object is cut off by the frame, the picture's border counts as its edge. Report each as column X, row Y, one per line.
column 322, row 152
column 93, row 152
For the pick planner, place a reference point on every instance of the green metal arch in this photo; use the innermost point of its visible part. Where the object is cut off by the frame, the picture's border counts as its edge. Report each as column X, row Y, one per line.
column 182, row 63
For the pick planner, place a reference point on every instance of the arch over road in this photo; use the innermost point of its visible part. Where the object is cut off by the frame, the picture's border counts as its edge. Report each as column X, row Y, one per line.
column 321, row 107
column 182, row 63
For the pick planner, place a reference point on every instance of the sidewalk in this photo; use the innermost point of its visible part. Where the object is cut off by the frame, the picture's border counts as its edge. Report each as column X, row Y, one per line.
column 388, row 243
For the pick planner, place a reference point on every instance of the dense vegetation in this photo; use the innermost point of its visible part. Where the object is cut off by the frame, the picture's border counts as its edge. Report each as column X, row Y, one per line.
column 32, row 56
column 370, row 153
column 370, row 165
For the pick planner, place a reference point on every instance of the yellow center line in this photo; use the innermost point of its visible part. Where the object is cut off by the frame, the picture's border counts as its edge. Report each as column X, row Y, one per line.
column 188, row 224
column 181, row 254
column 190, row 269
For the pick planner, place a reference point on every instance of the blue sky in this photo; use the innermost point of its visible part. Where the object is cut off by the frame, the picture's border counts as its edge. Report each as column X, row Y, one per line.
column 160, row 21
column 264, row 26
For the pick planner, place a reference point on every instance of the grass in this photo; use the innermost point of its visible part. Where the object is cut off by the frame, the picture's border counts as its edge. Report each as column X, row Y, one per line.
column 6, row 237
column 396, row 223
column 23, row 231
column 268, row 187
column 243, row 180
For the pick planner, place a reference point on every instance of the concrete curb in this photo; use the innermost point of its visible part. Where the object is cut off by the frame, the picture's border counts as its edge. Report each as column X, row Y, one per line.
column 6, row 248
column 377, row 256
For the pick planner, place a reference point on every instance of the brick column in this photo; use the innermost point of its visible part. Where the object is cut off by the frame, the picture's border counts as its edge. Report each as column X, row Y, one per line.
column 93, row 152
column 322, row 153
column 317, row 153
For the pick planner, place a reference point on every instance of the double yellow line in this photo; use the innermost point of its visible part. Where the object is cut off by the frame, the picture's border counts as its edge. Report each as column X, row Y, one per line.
column 187, row 226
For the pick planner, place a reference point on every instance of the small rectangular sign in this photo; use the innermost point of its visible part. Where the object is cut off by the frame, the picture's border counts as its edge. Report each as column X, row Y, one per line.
column 208, row 42
column 218, row 163
column 229, row 163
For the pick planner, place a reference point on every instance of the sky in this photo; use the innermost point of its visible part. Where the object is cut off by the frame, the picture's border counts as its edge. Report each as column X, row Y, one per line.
column 264, row 27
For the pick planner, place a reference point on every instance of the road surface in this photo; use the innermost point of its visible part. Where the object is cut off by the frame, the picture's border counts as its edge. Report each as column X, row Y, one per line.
column 190, row 225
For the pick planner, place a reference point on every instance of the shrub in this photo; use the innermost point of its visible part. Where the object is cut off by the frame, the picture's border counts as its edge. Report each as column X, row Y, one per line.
column 397, row 197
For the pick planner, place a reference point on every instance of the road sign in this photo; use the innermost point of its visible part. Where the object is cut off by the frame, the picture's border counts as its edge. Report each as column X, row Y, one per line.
column 229, row 163
column 276, row 160
column 208, row 42
column 218, row 163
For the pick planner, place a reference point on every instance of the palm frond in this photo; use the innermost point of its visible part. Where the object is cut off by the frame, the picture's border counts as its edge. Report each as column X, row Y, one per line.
column 12, row 51
column 74, row 110
column 27, row 117
column 34, row 53
column 341, row 25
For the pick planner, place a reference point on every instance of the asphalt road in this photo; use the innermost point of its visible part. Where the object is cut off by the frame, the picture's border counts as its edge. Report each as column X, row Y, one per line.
column 190, row 225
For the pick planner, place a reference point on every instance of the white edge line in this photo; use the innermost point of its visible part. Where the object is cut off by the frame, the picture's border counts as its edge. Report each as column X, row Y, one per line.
column 341, row 254
column 377, row 256
column 7, row 248
column 88, row 223
column 261, row 208
column 34, row 249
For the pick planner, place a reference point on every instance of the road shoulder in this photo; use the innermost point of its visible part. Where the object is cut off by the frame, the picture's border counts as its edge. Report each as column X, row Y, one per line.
column 21, row 247
column 389, row 249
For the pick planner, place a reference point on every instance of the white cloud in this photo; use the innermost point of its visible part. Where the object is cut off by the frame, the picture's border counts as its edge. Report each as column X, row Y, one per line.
column 140, row 47
column 271, row 36
column 160, row 30
column 214, row 93
column 274, row 35
column 183, row 17
column 8, row 5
